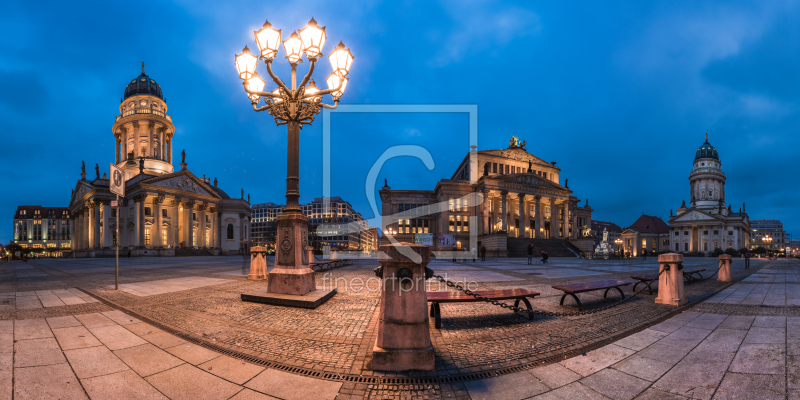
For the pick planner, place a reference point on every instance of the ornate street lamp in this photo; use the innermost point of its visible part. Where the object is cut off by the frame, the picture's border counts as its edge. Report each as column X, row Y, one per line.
column 294, row 107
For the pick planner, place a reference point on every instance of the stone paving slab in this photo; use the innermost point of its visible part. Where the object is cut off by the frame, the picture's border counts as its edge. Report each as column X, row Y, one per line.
column 293, row 387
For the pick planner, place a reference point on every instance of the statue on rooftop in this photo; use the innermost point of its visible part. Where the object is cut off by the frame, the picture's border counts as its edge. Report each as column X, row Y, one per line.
column 183, row 156
column 83, row 167
column 516, row 143
column 97, row 170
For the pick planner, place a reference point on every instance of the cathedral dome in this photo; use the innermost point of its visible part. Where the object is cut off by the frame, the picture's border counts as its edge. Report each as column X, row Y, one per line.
column 706, row 151
column 143, row 84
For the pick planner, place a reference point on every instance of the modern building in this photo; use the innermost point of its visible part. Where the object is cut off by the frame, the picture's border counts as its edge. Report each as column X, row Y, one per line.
column 44, row 230
column 374, row 237
column 648, row 234
column 333, row 224
column 709, row 222
column 163, row 209
column 760, row 229
column 497, row 195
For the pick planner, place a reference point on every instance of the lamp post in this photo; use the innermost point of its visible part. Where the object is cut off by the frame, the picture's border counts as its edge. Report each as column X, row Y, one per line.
column 618, row 241
column 768, row 241
column 294, row 107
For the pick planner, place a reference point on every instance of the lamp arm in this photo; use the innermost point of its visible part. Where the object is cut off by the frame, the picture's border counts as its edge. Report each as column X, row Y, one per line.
column 275, row 78
column 329, row 91
column 329, row 107
column 264, row 108
column 263, row 94
column 308, row 75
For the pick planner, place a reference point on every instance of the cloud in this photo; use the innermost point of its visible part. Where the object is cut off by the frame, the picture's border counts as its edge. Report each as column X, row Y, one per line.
column 479, row 26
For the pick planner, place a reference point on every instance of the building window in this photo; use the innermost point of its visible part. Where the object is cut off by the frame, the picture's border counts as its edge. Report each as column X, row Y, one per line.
column 147, row 237
column 148, row 211
column 716, row 233
column 163, row 237
column 494, row 167
column 677, row 248
column 507, row 169
column 230, row 231
column 194, row 216
column 164, row 213
column 113, row 213
column 705, row 232
column 686, row 247
column 453, row 223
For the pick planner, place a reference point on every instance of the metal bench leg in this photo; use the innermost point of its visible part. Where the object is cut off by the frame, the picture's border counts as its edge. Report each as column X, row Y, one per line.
column 527, row 304
column 635, row 285
column 621, row 293
column 432, row 304
column 437, row 317
column 580, row 306
column 650, row 288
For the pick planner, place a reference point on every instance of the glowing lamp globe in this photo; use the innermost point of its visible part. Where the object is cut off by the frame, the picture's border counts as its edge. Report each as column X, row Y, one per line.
column 268, row 40
column 246, row 64
column 341, row 59
column 313, row 38
column 294, row 48
column 334, row 80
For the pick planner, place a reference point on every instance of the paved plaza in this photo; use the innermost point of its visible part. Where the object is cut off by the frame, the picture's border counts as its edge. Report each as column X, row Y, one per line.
column 178, row 329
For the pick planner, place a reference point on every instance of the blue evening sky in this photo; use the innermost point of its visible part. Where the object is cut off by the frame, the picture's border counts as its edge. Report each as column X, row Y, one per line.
column 620, row 94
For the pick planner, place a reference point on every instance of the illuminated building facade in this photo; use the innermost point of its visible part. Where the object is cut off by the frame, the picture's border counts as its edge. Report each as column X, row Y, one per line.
column 164, row 211
column 43, row 230
column 708, row 223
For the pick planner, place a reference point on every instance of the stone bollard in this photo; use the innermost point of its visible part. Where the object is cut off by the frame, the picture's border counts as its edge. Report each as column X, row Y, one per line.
column 404, row 338
column 670, row 283
column 724, row 274
column 258, row 263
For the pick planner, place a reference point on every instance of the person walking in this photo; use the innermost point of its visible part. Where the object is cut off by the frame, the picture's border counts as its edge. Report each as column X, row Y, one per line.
column 530, row 253
column 483, row 253
column 746, row 258
column 545, row 256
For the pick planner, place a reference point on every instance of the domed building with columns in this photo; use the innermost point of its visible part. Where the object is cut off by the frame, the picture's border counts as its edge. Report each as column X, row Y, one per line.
column 164, row 212
column 709, row 222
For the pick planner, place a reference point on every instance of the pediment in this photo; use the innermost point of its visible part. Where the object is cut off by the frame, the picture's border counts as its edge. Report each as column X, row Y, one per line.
column 81, row 188
column 184, row 182
column 694, row 215
column 518, row 154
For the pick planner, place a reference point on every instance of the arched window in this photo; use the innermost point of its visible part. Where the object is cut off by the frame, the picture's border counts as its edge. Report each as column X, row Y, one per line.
column 230, row 231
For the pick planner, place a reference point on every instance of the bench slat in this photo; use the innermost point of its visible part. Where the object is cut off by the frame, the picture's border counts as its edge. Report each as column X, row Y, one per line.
column 504, row 294
column 590, row 286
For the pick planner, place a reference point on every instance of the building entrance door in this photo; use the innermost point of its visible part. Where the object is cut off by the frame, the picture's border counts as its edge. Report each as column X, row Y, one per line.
column 546, row 230
column 695, row 240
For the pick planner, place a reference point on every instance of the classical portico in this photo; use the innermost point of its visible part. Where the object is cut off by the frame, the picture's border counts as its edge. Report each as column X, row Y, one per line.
column 493, row 195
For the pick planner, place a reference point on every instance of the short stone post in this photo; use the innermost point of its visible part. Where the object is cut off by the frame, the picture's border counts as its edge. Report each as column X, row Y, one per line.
column 404, row 338
column 670, row 282
column 258, row 263
column 724, row 274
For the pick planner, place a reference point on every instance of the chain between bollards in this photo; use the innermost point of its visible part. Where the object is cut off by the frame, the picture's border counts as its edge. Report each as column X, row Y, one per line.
column 541, row 312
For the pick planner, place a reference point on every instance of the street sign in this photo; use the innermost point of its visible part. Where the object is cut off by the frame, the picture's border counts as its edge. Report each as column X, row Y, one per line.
column 117, row 182
column 114, row 203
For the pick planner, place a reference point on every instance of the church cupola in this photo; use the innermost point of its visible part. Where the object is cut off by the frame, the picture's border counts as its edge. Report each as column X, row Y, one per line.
column 143, row 130
column 707, row 180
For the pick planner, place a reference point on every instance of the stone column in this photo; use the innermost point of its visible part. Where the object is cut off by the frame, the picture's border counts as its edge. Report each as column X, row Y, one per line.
column 504, row 212
column 96, row 217
column 565, row 221
column 175, row 224
column 522, row 218
column 136, row 134
column 404, row 340
column 138, row 222
column 553, row 219
column 670, row 282
column 201, row 237
column 725, row 274
column 575, row 227
column 539, row 220
column 116, row 153
column 76, row 230
column 124, row 138
column 105, row 210
column 485, row 211
column 157, row 222
column 188, row 224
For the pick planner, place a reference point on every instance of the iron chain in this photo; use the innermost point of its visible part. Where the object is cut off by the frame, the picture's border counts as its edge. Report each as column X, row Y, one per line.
column 541, row 312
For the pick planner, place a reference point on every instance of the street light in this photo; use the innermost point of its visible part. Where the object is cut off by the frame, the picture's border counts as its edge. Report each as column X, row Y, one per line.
column 618, row 241
column 293, row 106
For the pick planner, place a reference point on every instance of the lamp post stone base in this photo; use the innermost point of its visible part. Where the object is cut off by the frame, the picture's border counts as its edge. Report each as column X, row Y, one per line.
column 291, row 283
column 292, row 273
column 258, row 263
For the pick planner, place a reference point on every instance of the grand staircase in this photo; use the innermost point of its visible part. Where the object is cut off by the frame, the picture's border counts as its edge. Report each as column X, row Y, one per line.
column 192, row 253
column 518, row 247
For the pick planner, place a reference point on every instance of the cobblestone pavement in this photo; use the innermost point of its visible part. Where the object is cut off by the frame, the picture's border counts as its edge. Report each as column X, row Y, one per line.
column 197, row 300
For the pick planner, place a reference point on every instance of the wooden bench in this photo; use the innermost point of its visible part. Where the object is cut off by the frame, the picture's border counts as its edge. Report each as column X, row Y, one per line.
column 460, row 297
column 573, row 289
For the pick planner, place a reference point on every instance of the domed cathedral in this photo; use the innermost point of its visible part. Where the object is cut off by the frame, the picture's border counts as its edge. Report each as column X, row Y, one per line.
column 709, row 222
column 164, row 212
